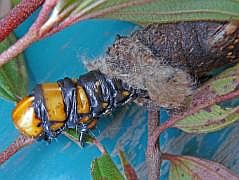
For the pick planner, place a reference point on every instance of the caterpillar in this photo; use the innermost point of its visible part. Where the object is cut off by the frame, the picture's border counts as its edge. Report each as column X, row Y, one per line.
column 158, row 62
column 55, row 107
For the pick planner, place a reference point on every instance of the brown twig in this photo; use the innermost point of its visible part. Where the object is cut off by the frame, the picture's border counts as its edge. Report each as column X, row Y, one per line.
column 17, row 15
column 192, row 110
column 153, row 154
column 99, row 146
column 129, row 171
column 18, row 144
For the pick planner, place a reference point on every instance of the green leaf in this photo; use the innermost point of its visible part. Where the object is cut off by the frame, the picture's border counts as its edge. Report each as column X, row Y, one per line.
column 223, row 83
column 162, row 11
column 187, row 167
column 129, row 171
column 72, row 133
column 217, row 116
column 13, row 75
column 104, row 168
column 210, row 119
column 148, row 11
column 15, row 2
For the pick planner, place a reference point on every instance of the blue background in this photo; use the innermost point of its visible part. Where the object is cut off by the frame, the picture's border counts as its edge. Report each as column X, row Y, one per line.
column 62, row 55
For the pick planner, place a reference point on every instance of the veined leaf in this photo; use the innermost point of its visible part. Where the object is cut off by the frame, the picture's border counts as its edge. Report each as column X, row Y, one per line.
column 146, row 11
column 13, row 75
column 225, row 82
column 187, row 167
column 72, row 135
column 162, row 11
column 213, row 117
column 209, row 120
column 128, row 169
column 104, row 168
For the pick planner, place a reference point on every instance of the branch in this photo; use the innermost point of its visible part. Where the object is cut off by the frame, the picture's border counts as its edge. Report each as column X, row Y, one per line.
column 99, row 146
column 153, row 154
column 44, row 13
column 31, row 36
column 18, row 144
column 38, row 31
column 192, row 110
column 17, row 15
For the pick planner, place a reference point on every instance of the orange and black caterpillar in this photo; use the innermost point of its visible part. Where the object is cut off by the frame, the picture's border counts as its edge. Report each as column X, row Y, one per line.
column 55, row 107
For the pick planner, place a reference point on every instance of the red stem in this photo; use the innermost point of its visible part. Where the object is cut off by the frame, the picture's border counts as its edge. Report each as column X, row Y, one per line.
column 17, row 48
column 17, row 15
column 44, row 14
column 176, row 118
column 35, row 33
column 31, row 36
column 18, row 144
column 166, row 156
column 99, row 146
column 153, row 154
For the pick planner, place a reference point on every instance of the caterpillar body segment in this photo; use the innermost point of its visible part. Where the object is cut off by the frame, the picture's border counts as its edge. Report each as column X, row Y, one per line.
column 54, row 107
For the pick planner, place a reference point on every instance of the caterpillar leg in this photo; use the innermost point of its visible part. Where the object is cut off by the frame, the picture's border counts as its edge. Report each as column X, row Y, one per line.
column 92, row 124
column 83, row 129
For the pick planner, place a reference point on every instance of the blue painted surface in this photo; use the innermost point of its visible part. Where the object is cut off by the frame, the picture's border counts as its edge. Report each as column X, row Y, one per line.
column 49, row 60
column 62, row 55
